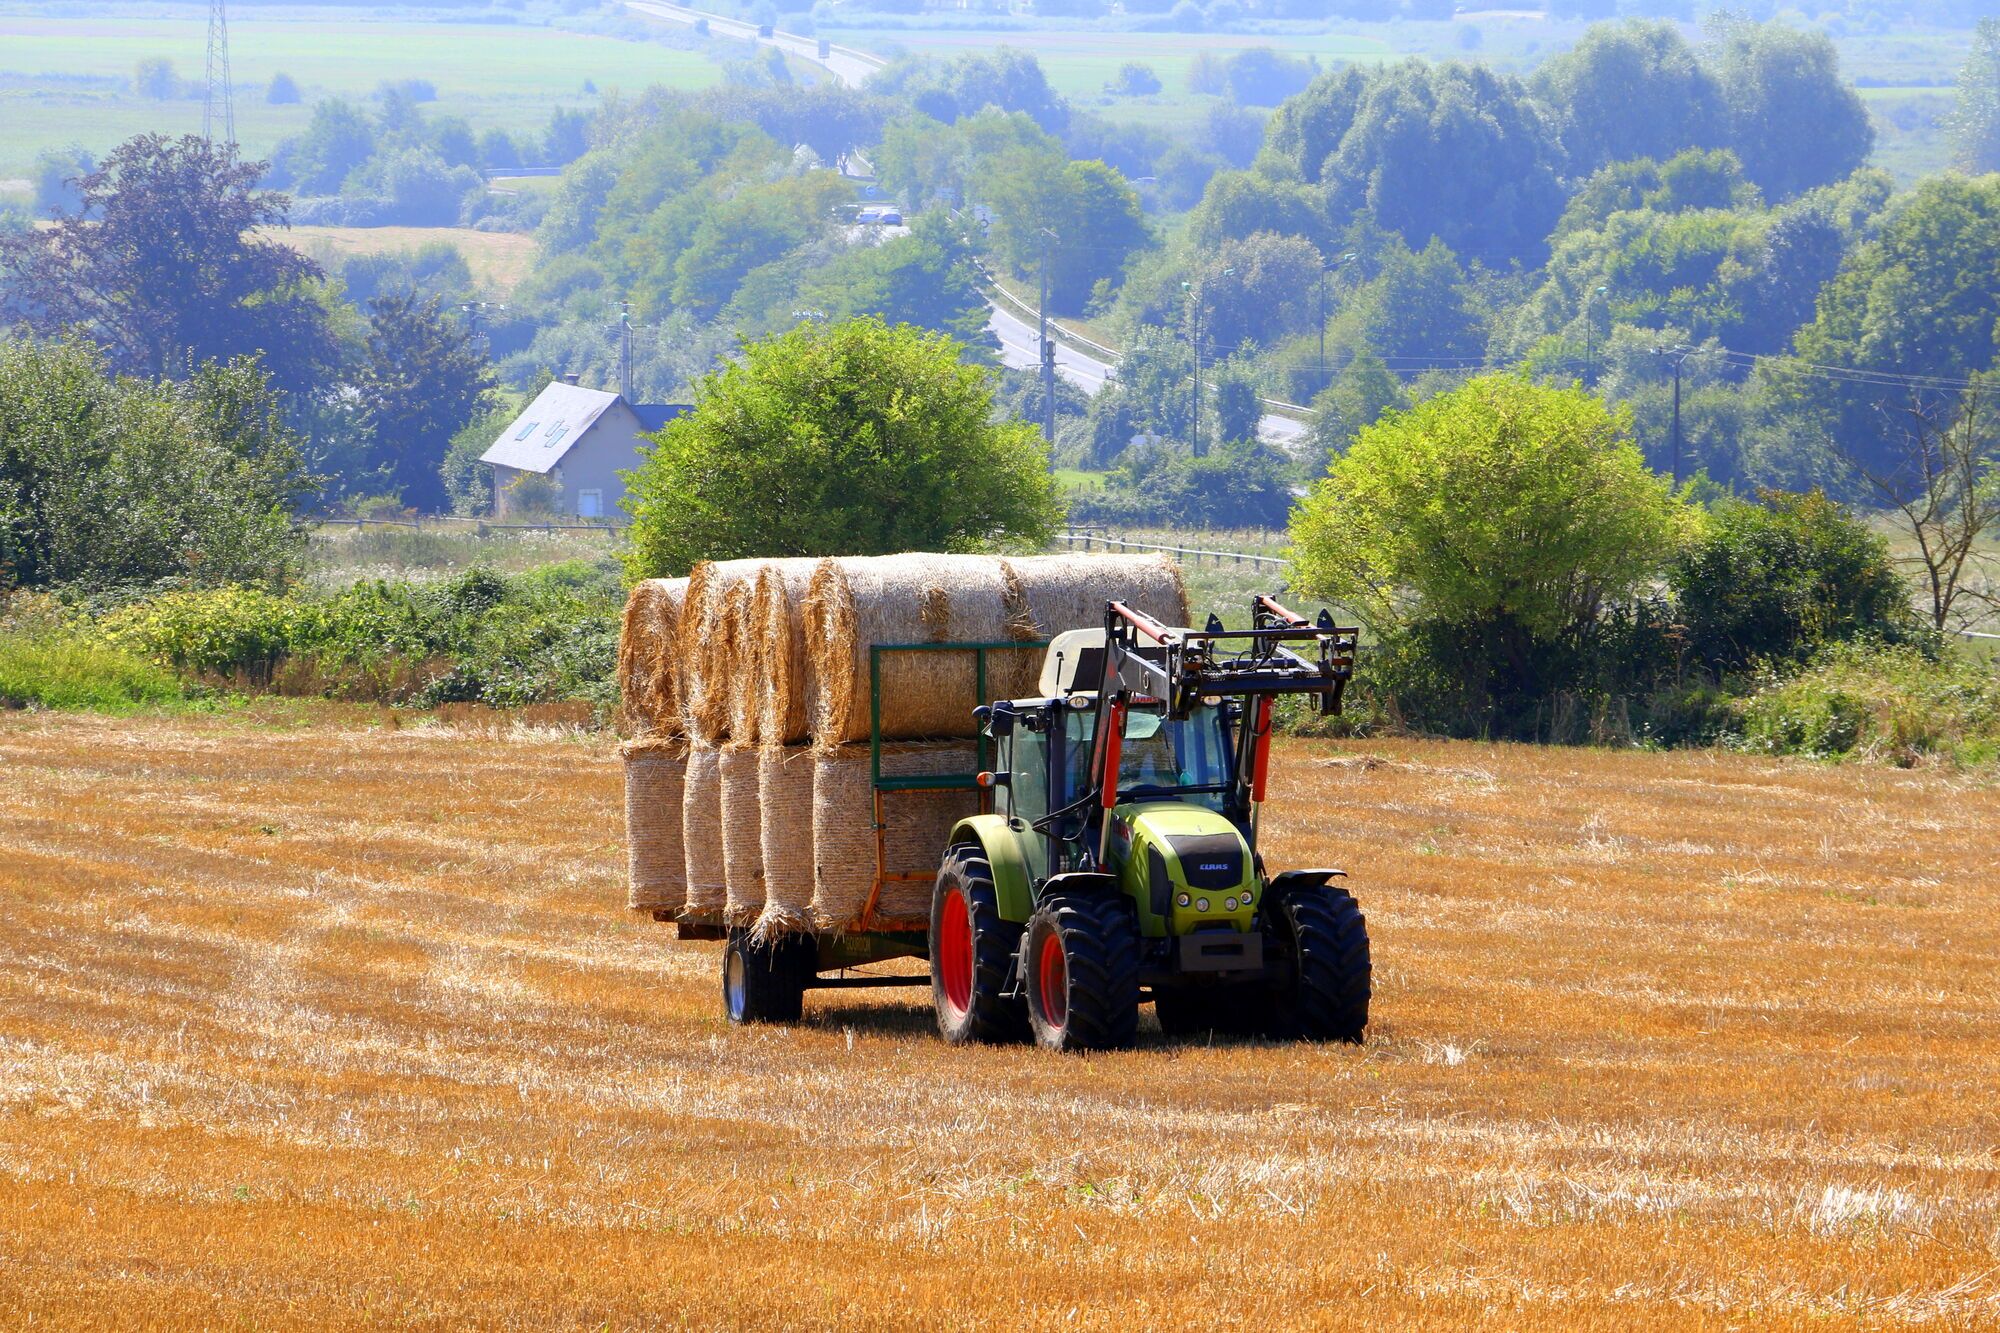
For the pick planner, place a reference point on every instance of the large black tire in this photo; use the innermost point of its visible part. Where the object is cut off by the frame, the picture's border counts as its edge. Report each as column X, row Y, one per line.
column 764, row 981
column 972, row 953
column 1202, row 1011
column 1081, row 959
column 1318, row 941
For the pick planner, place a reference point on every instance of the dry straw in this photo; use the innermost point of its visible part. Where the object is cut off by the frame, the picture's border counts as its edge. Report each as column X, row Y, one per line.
column 742, row 836
column 701, row 832
column 1065, row 592
column 785, row 680
column 649, row 657
column 655, row 779
column 785, row 791
column 916, row 826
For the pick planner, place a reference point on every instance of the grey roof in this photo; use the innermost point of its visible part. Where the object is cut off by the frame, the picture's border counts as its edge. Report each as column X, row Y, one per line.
column 536, row 440
column 652, row 416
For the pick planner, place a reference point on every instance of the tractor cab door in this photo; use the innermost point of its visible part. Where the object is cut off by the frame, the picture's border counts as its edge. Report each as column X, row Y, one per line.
column 1024, row 754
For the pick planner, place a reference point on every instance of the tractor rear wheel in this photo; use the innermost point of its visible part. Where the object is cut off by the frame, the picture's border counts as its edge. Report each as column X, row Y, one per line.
column 1320, row 942
column 972, row 952
column 1081, row 958
column 764, row 981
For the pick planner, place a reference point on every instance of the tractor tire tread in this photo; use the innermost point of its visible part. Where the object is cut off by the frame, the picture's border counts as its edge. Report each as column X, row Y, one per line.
column 1101, row 948
column 1334, row 977
column 994, row 1018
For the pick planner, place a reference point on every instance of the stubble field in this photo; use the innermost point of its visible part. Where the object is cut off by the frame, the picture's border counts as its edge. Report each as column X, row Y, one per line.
column 342, row 1023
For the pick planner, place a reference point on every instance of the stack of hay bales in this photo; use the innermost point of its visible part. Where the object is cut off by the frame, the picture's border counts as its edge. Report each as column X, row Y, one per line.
column 778, row 814
column 649, row 677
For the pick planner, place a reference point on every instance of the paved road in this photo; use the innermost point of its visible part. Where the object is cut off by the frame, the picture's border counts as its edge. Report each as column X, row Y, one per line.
column 1017, row 335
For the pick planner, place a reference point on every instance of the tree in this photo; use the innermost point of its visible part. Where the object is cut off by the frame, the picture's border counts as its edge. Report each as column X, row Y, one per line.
column 1920, row 300
column 1237, row 408
column 423, row 380
column 1975, row 121
column 108, row 481
column 338, row 139
column 283, row 90
column 1092, row 211
column 1260, row 76
column 838, row 439
column 1240, row 204
column 1452, row 151
column 59, row 174
column 1134, row 79
column 1501, row 502
column 1942, row 489
column 1777, row 580
column 162, row 262
column 1630, row 90
column 1362, row 390
column 927, row 279
column 154, row 78
column 1792, row 120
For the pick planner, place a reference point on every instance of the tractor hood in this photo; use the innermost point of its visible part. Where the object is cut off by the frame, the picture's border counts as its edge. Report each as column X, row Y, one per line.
column 1172, row 851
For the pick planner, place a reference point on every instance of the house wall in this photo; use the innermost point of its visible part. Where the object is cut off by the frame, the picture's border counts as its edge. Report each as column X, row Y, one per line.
column 593, row 463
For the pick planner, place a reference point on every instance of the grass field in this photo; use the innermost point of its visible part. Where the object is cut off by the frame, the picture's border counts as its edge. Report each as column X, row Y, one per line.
column 509, row 76
column 329, row 1025
column 499, row 260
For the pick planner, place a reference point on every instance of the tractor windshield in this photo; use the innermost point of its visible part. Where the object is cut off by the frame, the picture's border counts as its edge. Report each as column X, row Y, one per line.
column 1161, row 758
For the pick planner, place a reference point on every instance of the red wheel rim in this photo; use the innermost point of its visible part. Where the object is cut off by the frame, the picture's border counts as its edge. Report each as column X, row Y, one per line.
column 1052, row 977
column 955, row 952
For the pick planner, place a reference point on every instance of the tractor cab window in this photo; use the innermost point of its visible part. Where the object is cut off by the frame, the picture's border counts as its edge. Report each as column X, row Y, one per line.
column 1186, row 761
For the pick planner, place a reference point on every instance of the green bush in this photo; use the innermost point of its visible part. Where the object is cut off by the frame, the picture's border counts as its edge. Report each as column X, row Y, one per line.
column 216, row 630
column 1879, row 702
column 69, row 672
column 1776, row 581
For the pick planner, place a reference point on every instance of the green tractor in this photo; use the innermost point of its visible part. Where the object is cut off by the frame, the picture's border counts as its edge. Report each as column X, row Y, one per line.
column 1119, row 861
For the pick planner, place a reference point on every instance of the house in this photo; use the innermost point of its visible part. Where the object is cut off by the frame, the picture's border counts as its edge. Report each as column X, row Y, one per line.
column 578, row 440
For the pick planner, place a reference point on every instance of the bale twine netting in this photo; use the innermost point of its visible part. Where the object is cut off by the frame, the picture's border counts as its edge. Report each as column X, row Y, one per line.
column 855, row 604
column 785, row 790
column 656, row 865
column 916, row 826
column 701, row 832
column 742, row 836
column 649, row 657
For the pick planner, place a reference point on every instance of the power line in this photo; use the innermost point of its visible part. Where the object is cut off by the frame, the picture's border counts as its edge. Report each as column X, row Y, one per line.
column 220, row 103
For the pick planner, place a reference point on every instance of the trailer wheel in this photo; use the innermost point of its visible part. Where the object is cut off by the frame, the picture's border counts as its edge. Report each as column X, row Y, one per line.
column 1324, row 980
column 764, row 981
column 972, row 952
column 1081, row 958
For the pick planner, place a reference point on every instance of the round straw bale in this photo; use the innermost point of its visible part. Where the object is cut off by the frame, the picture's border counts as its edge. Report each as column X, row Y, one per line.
column 714, row 665
column 854, row 604
column 1065, row 592
column 915, row 827
column 786, row 682
column 785, row 791
column 655, row 776
column 649, row 657
column 701, row 833
column 742, row 836
column 744, row 691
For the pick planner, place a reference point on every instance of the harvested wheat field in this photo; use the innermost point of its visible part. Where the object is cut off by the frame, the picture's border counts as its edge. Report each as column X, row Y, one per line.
column 341, row 1025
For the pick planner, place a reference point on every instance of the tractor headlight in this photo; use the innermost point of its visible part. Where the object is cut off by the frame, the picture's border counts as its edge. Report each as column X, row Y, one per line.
column 1184, row 900
column 1201, row 904
column 1228, row 904
column 1246, row 900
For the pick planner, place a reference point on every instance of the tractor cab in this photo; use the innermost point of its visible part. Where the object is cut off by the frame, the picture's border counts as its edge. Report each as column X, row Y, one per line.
column 1124, row 823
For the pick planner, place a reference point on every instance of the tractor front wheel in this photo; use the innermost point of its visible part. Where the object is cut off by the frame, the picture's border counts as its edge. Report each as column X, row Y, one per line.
column 972, row 951
column 1324, row 977
column 764, row 981
column 1081, row 972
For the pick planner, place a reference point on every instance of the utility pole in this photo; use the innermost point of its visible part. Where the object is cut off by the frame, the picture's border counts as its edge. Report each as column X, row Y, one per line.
column 1325, row 269
column 625, row 351
column 220, row 105
column 1048, row 350
column 1194, row 340
column 1677, row 354
column 1589, row 348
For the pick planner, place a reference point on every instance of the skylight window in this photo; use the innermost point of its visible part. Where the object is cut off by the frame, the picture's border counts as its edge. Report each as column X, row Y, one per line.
column 526, row 430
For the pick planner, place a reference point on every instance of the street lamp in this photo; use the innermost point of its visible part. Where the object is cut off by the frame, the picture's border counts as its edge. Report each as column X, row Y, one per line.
column 1325, row 269
column 1194, row 318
